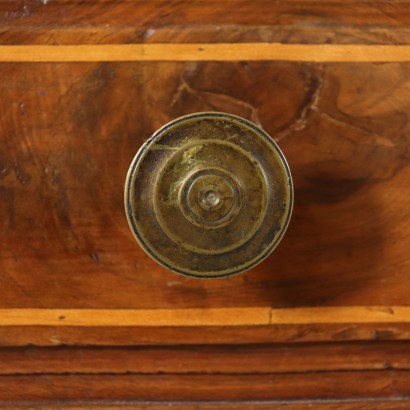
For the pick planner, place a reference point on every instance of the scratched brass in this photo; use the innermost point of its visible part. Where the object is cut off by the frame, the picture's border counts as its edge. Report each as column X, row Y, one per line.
column 209, row 195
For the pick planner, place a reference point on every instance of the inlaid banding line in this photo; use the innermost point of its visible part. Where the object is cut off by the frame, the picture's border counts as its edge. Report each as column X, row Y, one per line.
column 205, row 52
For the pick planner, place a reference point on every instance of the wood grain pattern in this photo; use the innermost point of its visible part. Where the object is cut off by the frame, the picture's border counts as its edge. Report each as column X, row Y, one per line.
column 187, row 21
column 204, row 317
column 88, row 321
column 206, row 52
column 397, row 404
column 205, row 387
column 171, row 335
column 69, row 132
column 205, row 359
column 140, row 317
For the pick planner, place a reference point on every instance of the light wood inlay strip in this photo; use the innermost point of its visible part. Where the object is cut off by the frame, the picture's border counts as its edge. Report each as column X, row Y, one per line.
column 206, row 52
column 140, row 317
column 203, row 317
column 345, row 314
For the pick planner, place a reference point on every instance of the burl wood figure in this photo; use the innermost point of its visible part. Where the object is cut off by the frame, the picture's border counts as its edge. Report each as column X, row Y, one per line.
column 89, row 321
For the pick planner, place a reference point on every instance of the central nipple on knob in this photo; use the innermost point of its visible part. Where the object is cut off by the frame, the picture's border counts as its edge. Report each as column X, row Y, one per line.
column 211, row 197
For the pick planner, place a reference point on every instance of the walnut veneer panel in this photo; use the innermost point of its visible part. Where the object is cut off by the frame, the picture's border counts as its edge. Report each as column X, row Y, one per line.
column 69, row 132
column 323, row 323
column 213, row 21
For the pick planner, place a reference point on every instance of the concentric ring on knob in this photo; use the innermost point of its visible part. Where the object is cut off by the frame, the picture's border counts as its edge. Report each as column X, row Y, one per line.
column 209, row 195
column 210, row 198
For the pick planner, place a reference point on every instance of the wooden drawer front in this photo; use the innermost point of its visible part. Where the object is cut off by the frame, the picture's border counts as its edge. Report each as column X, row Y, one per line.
column 85, row 314
column 70, row 131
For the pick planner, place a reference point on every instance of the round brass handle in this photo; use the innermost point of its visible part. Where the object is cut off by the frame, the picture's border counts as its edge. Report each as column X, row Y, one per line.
column 209, row 195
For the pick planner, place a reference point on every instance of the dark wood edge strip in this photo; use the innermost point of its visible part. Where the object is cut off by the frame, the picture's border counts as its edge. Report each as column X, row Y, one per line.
column 353, row 385
column 374, row 404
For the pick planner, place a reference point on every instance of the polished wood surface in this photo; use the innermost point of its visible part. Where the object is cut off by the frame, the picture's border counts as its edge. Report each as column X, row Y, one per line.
column 58, row 22
column 351, row 385
column 249, row 316
column 87, row 319
column 225, row 405
column 43, row 335
column 206, row 52
column 205, row 359
column 70, row 130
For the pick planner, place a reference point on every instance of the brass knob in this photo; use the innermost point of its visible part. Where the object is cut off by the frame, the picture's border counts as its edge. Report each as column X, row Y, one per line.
column 209, row 195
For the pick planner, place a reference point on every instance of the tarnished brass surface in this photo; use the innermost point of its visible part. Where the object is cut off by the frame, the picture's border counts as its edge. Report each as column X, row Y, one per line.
column 209, row 195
